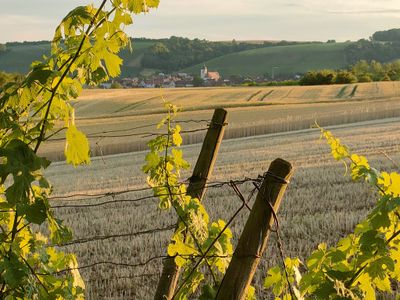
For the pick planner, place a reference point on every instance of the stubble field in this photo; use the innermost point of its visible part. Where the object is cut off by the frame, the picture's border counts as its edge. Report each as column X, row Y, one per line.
column 321, row 203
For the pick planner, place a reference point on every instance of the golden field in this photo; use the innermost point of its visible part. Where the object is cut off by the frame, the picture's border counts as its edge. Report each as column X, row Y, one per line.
column 112, row 117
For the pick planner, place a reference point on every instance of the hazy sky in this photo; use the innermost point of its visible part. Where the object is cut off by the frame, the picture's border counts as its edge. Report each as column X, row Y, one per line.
column 219, row 20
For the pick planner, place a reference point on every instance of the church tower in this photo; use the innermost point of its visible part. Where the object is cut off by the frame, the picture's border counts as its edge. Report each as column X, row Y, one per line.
column 203, row 72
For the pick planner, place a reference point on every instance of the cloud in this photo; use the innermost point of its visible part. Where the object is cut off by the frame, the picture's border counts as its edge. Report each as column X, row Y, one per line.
column 223, row 19
column 345, row 7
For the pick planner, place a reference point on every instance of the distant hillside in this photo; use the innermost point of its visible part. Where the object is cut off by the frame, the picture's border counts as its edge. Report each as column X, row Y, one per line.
column 283, row 61
column 19, row 56
column 289, row 59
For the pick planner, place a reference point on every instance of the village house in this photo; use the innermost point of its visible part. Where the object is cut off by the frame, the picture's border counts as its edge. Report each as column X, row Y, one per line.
column 209, row 76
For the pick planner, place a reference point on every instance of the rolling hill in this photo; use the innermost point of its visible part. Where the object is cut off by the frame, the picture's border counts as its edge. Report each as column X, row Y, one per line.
column 20, row 55
column 282, row 60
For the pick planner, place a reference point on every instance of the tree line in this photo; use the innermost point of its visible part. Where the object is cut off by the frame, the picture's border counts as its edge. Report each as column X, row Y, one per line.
column 177, row 53
column 3, row 48
column 383, row 46
column 362, row 71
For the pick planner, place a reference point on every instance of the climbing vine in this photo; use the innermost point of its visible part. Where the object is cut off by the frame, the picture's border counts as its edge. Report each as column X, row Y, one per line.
column 83, row 52
column 195, row 236
column 360, row 265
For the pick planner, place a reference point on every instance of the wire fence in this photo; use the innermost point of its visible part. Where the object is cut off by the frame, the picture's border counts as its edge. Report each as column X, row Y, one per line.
column 84, row 201
column 130, row 131
column 98, row 200
column 125, row 139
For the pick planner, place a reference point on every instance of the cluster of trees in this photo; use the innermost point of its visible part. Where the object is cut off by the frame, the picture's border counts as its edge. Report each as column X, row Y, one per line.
column 372, row 50
column 391, row 35
column 3, row 48
column 176, row 53
column 32, row 43
column 362, row 71
column 286, row 43
column 383, row 46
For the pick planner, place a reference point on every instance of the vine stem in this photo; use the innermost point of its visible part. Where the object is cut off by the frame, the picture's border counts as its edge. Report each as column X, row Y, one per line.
column 209, row 248
column 170, row 196
column 34, row 274
column 50, row 101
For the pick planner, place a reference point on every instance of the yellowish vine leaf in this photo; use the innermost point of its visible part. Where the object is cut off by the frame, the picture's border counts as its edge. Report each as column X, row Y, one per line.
column 77, row 147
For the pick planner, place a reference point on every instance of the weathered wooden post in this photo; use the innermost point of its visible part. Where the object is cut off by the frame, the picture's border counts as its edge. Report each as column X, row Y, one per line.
column 196, row 189
column 254, row 238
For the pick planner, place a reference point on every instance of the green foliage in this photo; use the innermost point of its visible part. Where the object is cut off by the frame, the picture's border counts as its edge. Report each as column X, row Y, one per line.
column 195, row 237
column 361, row 264
column 176, row 53
column 290, row 60
column 83, row 52
column 3, row 48
column 375, row 71
column 322, row 77
column 344, row 77
column 391, row 35
column 362, row 71
column 372, row 50
column 116, row 85
column 198, row 81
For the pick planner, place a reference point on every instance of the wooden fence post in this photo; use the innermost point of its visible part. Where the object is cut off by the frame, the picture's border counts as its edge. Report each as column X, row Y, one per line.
column 254, row 238
column 196, row 189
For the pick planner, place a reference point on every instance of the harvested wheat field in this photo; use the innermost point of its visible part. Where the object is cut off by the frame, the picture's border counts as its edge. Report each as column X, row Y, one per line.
column 321, row 203
column 120, row 121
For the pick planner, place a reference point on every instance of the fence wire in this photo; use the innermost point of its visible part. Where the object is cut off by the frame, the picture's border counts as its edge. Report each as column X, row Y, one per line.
column 127, row 195
column 243, row 204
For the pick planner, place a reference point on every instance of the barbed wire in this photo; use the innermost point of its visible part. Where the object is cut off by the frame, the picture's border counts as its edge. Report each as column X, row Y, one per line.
column 196, row 260
column 113, row 236
column 129, row 265
column 107, row 133
column 146, row 275
column 97, row 196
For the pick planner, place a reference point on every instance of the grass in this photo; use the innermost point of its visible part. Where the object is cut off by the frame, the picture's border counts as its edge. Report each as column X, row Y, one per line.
column 285, row 60
column 321, row 203
column 270, row 110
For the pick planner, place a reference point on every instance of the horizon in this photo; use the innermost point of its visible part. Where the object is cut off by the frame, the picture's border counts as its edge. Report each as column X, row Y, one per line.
column 255, row 20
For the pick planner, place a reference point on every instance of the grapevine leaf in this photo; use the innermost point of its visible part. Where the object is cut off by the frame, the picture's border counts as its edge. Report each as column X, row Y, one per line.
column 379, row 267
column 179, row 162
column 58, row 232
column 22, row 163
column 77, row 147
column 153, row 159
column 35, row 213
column 176, row 136
column 383, row 284
column 365, row 284
column 113, row 64
column 274, row 278
column 181, row 251
column 40, row 73
column 13, row 270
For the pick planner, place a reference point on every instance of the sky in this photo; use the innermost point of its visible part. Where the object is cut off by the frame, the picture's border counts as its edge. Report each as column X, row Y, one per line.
column 299, row 20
